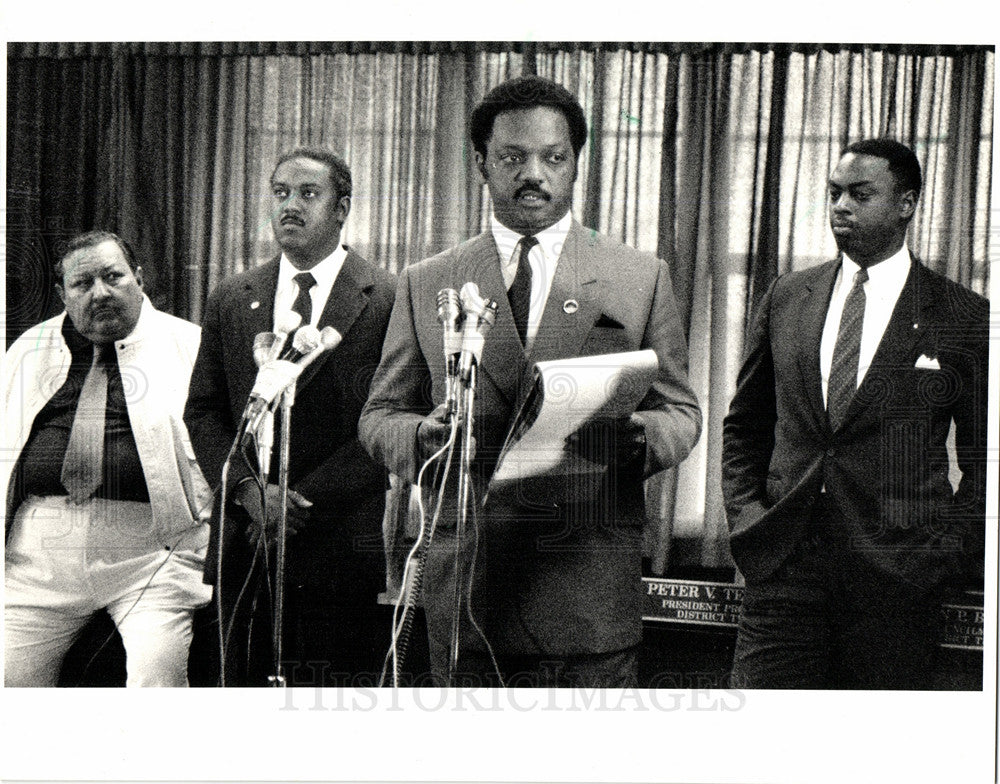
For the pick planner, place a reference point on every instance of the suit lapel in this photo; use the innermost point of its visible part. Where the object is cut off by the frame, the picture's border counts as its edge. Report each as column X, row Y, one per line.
column 348, row 298
column 814, row 308
column 256, row 310
column 502, row 362
column 906, row 327
column 564, row 328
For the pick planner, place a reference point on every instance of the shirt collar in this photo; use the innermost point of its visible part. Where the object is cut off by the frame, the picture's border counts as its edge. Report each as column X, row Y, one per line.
column 325, row 272
column 550, row 240
column 882, row 276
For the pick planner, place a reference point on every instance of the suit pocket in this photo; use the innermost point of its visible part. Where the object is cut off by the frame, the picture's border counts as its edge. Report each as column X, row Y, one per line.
column 606, row 340
column 607, row 322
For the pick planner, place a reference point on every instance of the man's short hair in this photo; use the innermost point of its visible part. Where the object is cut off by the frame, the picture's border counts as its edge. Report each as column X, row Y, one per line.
column 340, row 173
column 527, row 92
column 90, row 239
column 902, row 162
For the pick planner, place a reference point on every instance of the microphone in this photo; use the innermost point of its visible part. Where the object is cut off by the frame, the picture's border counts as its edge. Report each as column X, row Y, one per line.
column 264, row 436
column 480, row 314
column 262, row 346
column 285, row 326
column 306, row 338
column 277, row 375
column 449, row 312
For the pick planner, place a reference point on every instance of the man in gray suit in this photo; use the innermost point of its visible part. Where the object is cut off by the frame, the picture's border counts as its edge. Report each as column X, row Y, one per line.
column 835, row 464
column 555, row 586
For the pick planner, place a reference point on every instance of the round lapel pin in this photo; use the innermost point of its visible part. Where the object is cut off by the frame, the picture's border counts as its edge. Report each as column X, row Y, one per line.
column 571, row 306
column 254, row 305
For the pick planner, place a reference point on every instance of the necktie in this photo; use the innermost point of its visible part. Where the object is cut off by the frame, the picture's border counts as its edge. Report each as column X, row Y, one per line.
column 303, row 302
column 844, row 369
column 519, row 293
column 83, row 464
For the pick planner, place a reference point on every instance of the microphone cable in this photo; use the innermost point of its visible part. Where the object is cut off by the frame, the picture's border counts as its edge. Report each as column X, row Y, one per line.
column 468, row 587
column 415, row 559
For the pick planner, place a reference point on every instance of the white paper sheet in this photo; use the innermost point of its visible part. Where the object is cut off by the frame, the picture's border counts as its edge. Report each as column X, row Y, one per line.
column 567, row 394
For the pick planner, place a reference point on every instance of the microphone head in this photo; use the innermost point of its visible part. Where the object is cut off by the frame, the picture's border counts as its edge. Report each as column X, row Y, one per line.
column 449, row 306
column 288, row 323
column 307, row 337
column 488, row 315
column 329, row 338
column 449, row 314
column 477, row 323
column 472, row 302
column 262, row 346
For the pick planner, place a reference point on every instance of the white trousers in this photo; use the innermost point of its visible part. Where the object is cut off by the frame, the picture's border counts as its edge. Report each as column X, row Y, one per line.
column 65, row 562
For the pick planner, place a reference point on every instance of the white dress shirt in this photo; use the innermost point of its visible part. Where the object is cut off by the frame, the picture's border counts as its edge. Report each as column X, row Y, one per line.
column 543, row 259
column 885, row 281
column 326, row 275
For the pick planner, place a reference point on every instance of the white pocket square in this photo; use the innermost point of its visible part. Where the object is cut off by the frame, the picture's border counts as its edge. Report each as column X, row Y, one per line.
column 924, row 362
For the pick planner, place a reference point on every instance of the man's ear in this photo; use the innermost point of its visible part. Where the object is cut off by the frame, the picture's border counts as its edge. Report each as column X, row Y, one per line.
column 61, row 292
column 138, row 276
column 481, row 166
column 907, row 204
column 343, row 208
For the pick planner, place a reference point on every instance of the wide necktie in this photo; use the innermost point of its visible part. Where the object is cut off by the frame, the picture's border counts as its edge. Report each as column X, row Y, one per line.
column 519, row 293
column 83, row 464
column 844, row 370
column 303, row 302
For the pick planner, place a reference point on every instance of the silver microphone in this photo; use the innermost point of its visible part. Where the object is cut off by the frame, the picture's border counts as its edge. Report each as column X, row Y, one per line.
column 285, row 326
column 306, row 339
column 449, row 311
column 277, row 375
column 480, row 314
column 262, row 346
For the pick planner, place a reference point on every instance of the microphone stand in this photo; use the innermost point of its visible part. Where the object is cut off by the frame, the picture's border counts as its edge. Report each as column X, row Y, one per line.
column 466, row 411
column 284, row 451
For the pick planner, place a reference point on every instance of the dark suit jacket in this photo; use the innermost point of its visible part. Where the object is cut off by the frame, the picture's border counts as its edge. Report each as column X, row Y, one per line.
column 550, row 578
column 886, row 467
column 339, row 551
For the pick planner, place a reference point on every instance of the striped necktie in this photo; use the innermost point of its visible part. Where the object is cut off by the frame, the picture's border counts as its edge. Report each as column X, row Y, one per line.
column 844, row 370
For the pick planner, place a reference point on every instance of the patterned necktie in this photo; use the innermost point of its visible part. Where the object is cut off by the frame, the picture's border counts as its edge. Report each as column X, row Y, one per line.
column 519, row 293
column 82, row 468
column 844, row 369
column 303, row 302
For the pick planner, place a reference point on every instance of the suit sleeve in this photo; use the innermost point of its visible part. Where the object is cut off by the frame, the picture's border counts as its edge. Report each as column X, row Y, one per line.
column 968, row 507
column 207, row 413
column 748, row 429
column 670, row 411
column 399, row 397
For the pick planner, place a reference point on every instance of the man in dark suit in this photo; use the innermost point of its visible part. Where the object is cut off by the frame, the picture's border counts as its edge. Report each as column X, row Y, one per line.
column 556, row 591
column 336, row 495
column 835, row 470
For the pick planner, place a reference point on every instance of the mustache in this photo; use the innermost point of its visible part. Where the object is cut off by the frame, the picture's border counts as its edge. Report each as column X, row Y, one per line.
column 104, row 309
column 531, row 190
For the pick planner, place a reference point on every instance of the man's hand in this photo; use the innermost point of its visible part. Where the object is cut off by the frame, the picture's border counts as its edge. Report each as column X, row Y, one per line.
column 247, row 495
column 618, row 442
column 433, row 432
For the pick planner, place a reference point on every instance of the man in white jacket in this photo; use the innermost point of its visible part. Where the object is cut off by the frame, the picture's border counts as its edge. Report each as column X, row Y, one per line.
column 105, row 504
